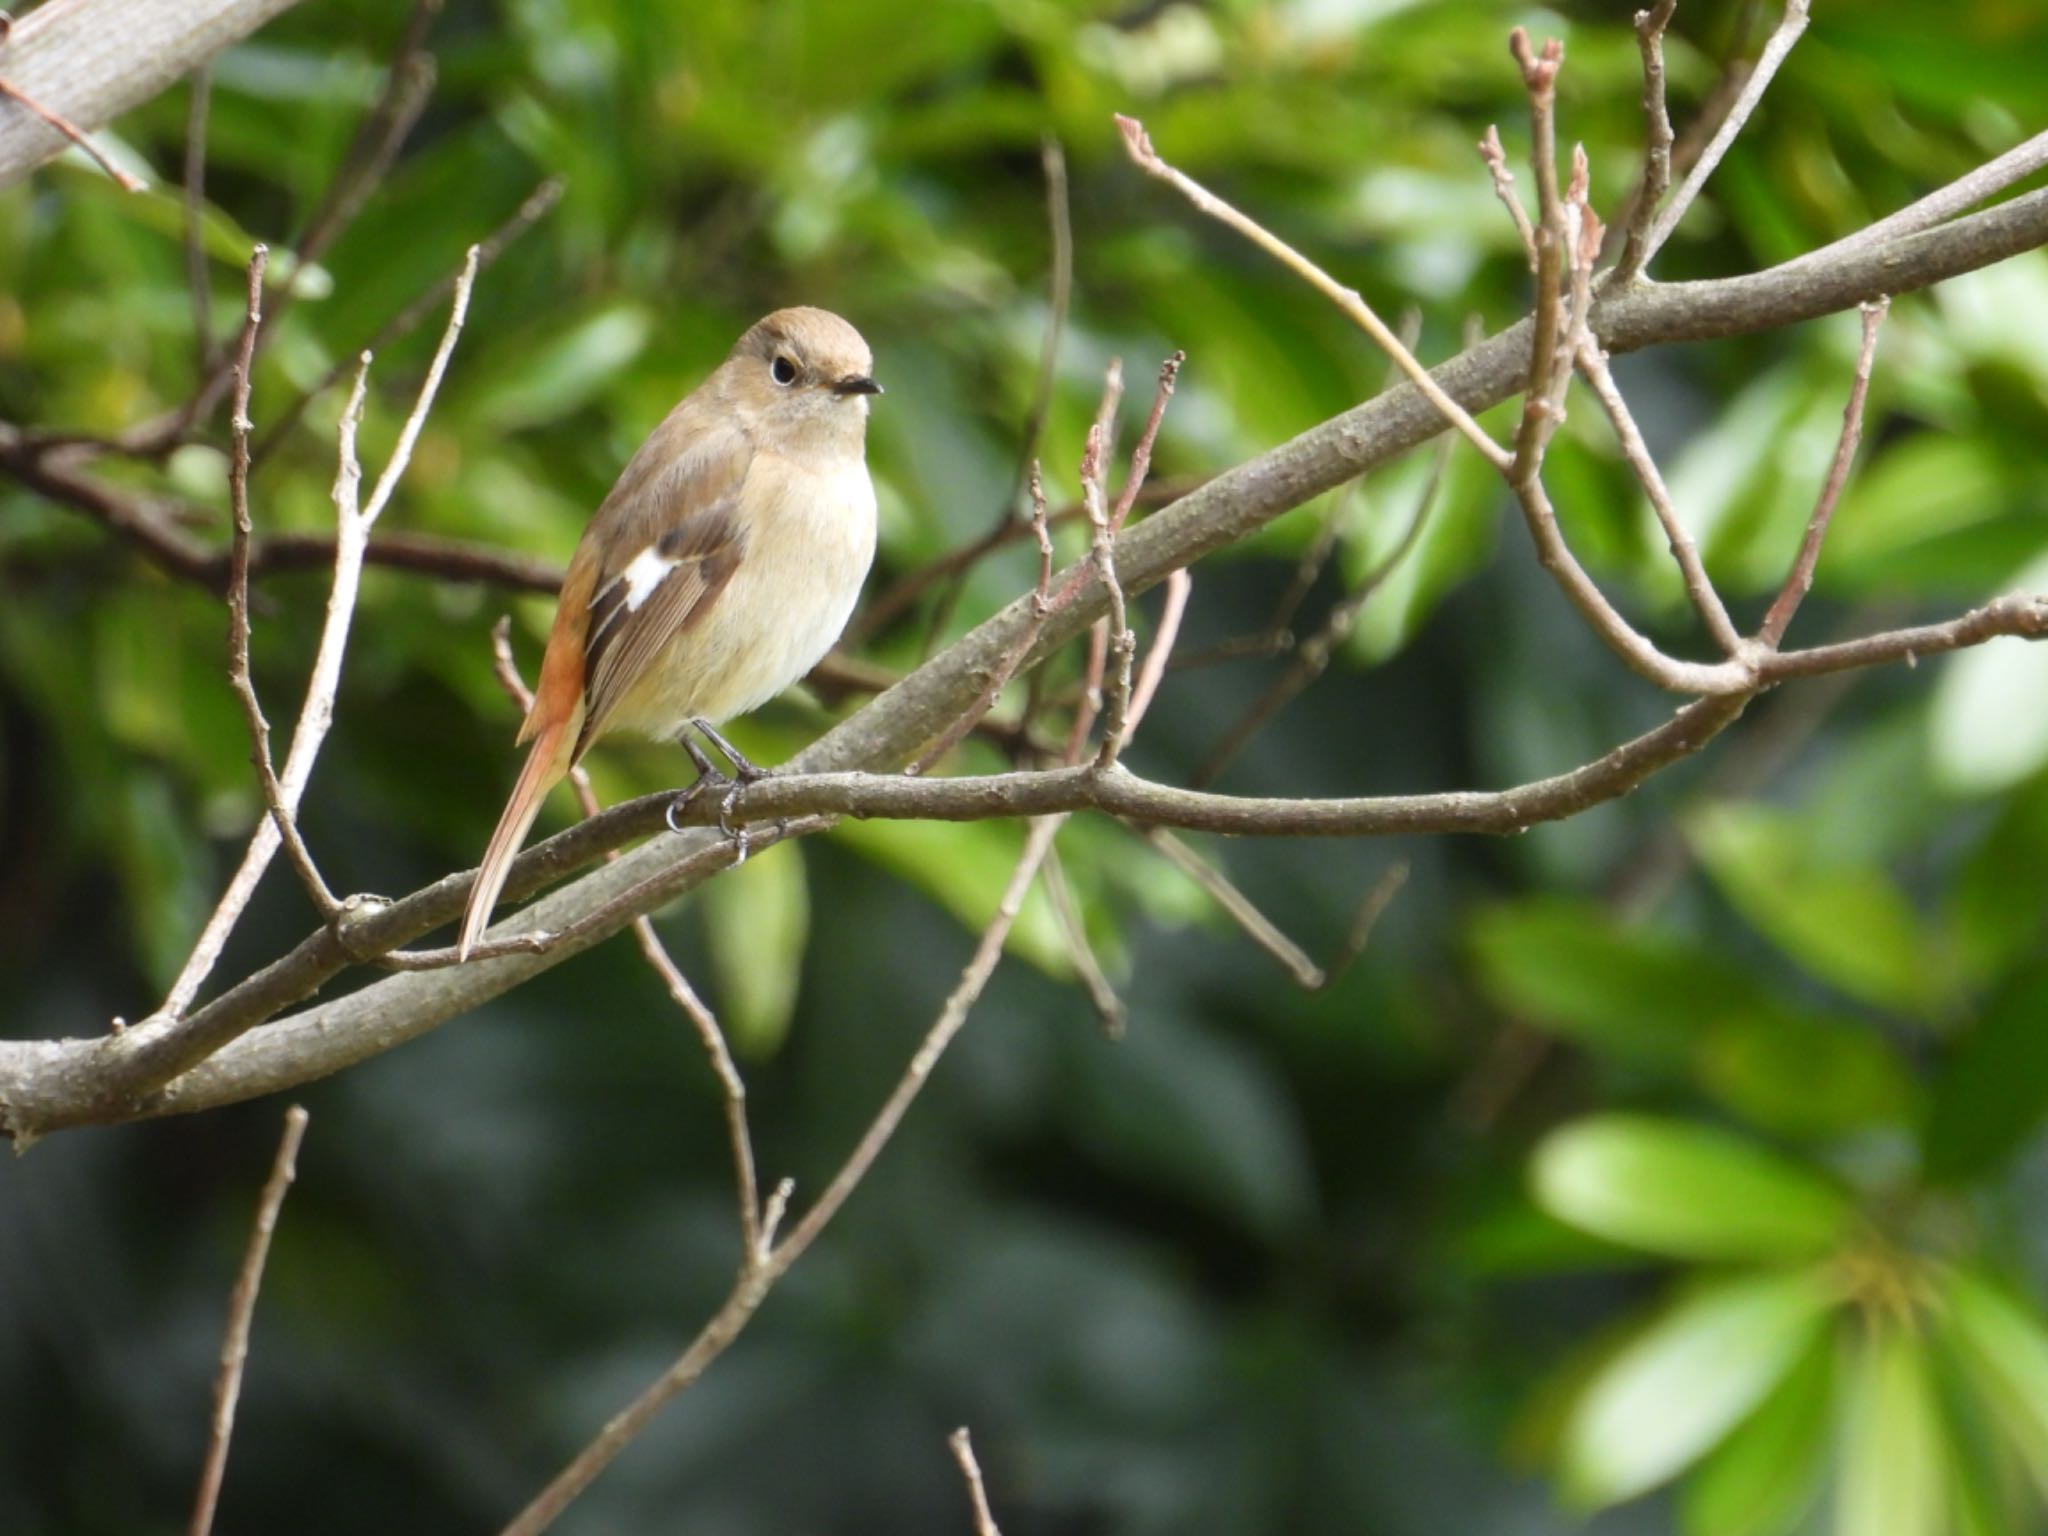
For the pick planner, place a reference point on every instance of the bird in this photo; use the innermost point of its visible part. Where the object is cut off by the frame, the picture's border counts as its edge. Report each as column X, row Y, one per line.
column 720, row 568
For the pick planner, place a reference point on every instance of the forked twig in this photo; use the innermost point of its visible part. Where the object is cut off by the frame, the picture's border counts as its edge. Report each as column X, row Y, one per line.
column 352, row 530
column 755, row 1282
column 1650, row 27
column 239, row 678
column 1774, row 53
column 1139, row 147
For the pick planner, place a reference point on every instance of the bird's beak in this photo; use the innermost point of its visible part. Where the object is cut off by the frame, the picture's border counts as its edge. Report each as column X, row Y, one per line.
column 857, row 384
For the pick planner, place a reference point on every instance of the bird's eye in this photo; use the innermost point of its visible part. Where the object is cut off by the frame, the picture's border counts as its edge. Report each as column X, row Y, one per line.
column 782, row 370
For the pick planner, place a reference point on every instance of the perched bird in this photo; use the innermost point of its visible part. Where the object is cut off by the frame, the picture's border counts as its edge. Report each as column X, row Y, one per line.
column 720, row 569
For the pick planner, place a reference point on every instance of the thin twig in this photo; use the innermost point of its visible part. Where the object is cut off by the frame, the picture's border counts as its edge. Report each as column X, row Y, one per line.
column 234, row 1349
column 1774, row 52
column 1800, row 579
column 1313, row 656
column 1171, row 610
column 71, row 131
column 1139, row 146
column 1231, row 900
column 1496, row 160
column 1121, row 643
column 754, row 1284
column 1699, row 588
column 732, row 1086
column 239, row 678
column 1656, row 180
column 1960, row 195
column 963, row 1452
column 1109, row 1008
column 530, row 212
column 352, row 526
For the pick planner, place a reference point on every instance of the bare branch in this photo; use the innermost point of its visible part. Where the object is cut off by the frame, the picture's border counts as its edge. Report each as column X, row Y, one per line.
column 63, row 124
column 755, row 1282
column 1139, row 146
column 1965, row 192
column 239, row 679
column 1698, row 587
column 234, row 1348
column 1262, row 930
column 1109, row 1008
column 317, row 713
column 1774, row 52
column 98, row 58
column 1656, row 180
column 962, row 1446
column 1120, row 643
column 1496, row 160
column 47, row 1084
column 1800, row 580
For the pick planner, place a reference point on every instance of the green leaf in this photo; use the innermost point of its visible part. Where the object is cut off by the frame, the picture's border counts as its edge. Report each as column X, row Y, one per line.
column 964, row 867
column 1686, row 1191
column 1794, row 1074
column 1574, row 967
column 559, row 375
column 1765, row 1476
column 1892, row 1479
column 1845, row 922
column 1689, row 1378
column 2003, row 1349
column 757, row 918
column 1993, row 1088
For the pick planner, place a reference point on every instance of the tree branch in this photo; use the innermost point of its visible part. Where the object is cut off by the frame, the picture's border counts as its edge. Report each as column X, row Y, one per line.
column 45, row 1085
column 94, row 59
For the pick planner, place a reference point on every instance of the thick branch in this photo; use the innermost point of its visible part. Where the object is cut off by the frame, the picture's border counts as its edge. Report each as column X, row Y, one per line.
column 44, row 1085
column 94, row 59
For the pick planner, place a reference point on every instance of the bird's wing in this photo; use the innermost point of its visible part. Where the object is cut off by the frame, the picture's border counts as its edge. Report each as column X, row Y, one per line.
column 674, row 539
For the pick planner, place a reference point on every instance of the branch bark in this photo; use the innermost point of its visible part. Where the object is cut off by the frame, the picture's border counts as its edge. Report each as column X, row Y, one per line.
column 94, row 59
column 46, row 1085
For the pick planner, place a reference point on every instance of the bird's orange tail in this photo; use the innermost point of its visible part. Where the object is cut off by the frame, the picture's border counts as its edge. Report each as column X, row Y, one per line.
column 545, row 765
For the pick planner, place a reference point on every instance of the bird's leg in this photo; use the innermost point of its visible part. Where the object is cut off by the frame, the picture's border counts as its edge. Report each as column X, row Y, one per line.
column 708, row 777
column 743, row 770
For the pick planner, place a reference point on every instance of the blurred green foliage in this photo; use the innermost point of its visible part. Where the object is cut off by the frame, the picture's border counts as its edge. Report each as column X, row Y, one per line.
column 1691, row 1146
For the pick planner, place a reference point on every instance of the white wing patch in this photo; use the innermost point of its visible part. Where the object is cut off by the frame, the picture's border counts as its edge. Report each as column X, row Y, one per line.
column 647, row 570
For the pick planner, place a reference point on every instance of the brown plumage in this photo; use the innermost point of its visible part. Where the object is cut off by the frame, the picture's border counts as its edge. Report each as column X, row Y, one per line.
column 719, row 570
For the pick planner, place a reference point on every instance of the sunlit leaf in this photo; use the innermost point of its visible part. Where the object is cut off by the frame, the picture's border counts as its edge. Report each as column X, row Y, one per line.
column 1688, row 1191
column 1695, row 1372
column 1766, row 1475
column 1892, row 1479
column 2004, row 1348
column 559, row 375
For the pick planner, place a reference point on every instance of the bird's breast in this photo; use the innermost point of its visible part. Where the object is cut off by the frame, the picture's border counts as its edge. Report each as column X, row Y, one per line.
column 809, row 541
